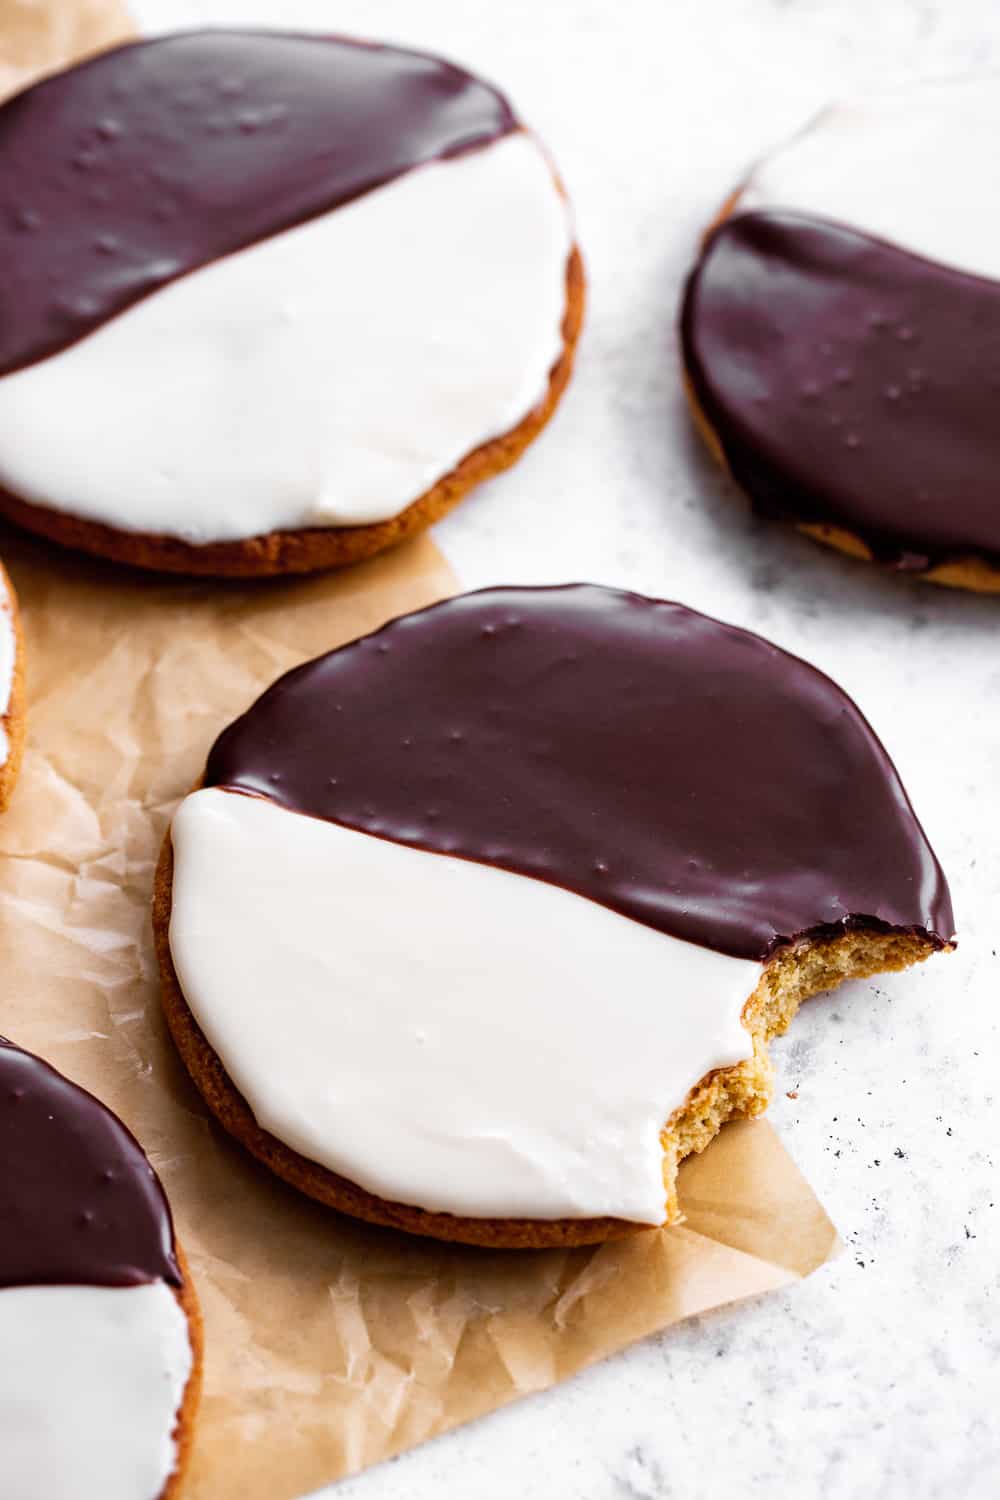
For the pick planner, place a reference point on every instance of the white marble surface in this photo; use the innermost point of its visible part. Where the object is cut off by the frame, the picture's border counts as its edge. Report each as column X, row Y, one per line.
column 878, row 1377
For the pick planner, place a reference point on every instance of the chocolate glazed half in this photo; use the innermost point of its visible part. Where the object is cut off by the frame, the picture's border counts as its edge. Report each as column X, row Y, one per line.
column 79, row 1203
column 677, row 770
column 850, row 384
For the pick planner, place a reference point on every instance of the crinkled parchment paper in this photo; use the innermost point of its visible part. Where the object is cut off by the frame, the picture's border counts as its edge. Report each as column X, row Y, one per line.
column 330, row 1345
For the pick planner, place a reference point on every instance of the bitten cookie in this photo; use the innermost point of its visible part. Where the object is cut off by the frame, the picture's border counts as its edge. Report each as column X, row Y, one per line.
column 478, row 925
column 284, row 299
column 11, row 690
column 99, row 1327
column 841, row 332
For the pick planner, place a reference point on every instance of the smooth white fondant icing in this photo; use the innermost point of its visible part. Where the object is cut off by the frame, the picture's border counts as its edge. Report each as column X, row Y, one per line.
column 918, row 166
column 8, row 652
column 443, row 1033
column 91, row 1382
column 325, row 377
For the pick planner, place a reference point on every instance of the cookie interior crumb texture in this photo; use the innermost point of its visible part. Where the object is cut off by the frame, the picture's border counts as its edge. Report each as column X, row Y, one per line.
column 791, row 977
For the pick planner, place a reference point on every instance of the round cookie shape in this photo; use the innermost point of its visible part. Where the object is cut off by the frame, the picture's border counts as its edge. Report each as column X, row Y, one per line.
column 839, row 333
column 394, row 919
column 11, row 689
column 98, row 1320
column 346, row 271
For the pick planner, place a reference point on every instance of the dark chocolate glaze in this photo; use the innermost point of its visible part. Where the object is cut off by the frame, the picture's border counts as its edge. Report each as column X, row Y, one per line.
column 687, row 774
column 851, row 383
column 130, row 170
column 79, row 1203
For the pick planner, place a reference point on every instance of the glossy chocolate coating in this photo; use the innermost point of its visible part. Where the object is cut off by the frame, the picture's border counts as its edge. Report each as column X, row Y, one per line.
column 79, row 1203
column 151, row 160
column 852, row 383
column 687, row 774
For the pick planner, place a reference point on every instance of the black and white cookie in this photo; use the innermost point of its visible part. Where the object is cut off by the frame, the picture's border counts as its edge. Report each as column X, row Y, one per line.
column 99, row 1329
column 479, row 924
column 841, row 331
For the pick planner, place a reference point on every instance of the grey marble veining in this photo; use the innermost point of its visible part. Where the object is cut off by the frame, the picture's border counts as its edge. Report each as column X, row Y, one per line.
column 878, row 1376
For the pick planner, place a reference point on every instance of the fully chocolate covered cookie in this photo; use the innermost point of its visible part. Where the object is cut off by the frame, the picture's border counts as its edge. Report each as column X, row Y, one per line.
column 99, row 1326
column 841, row 332
column 479, row 924
column 272, row 302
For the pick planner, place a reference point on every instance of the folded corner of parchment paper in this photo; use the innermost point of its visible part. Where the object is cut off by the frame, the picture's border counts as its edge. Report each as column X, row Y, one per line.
column 329, row 1344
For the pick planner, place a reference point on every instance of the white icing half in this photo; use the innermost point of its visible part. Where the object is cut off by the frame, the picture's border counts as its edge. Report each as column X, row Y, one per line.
column 918, row 166
column 443, row 1033
column 325, row 377
column 91, row 1381
column 8, row 653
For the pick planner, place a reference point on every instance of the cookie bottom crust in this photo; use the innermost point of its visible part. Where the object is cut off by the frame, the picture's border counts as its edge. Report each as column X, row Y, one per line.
column 740, row 1091
column 976, row 574
column 184, row 1429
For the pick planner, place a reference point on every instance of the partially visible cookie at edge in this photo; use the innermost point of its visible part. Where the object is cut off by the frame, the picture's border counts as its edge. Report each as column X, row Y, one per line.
column 12, row 694
column 99, row 1324
column 433, row 956
column 838, row 332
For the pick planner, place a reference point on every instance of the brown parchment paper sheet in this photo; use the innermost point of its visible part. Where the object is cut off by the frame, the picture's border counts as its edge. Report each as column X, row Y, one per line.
column 329, row 1344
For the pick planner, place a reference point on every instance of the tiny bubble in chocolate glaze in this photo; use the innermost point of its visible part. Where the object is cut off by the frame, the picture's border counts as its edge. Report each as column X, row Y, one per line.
column 79, row 1202
column 255, row 132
